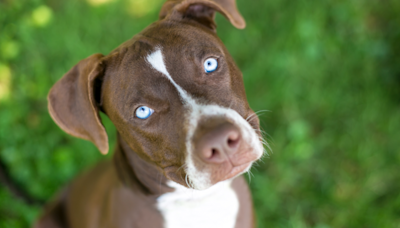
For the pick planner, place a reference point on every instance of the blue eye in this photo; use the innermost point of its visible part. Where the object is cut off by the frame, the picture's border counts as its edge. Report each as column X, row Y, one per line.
column 144, row 112
column 210, row 65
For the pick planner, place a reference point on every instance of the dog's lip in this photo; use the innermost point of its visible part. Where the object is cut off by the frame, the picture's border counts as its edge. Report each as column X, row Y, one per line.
column 252, row 158
column 237, row 170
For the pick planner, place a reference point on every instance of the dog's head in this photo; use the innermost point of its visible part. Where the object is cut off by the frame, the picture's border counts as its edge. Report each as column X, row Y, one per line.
column 174, row 94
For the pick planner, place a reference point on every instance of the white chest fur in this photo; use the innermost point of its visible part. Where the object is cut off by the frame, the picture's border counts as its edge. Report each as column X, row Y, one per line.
column 216, row 207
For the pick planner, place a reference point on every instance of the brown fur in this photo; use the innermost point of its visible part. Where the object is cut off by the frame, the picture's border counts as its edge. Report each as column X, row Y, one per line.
column 123, row 193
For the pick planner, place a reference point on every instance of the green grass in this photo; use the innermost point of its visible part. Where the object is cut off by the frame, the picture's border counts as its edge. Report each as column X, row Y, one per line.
column 328, row 72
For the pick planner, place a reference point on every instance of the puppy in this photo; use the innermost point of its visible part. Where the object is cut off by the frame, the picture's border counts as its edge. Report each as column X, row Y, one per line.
column 185, row 129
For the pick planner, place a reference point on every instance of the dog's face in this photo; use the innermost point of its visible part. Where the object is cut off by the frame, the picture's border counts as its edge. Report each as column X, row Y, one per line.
column 174, row 94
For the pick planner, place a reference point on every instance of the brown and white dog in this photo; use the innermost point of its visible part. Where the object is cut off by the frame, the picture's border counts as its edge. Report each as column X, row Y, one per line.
column 185, row 129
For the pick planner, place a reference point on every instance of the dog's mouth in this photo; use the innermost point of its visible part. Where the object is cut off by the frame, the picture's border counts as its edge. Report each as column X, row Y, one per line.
column 213, row 173
column 234, row 167
column 237, row 170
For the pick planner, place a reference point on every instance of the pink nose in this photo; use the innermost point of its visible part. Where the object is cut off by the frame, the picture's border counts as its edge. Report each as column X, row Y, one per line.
column 218, row 144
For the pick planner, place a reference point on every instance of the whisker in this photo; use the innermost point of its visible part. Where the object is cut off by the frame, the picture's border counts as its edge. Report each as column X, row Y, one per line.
column 255, row 114
column 266, row 135
column 186, row 180
column 249, row 175
column 180, row 168
column 247, row 119
column 264, row 142
column 261, row 111
column 177, row 171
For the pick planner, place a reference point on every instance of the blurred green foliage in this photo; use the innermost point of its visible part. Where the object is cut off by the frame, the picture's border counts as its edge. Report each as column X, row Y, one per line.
column 328, row 71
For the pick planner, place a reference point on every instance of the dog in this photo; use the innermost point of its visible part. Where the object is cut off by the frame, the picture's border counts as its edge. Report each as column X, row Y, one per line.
column 185, row 130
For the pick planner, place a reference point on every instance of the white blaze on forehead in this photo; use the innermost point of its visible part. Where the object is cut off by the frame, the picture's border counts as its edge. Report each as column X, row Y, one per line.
column 198, row 179
column 157, row 62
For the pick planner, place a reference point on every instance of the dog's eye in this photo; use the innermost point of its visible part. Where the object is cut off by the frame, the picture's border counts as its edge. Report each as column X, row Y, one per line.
column 144, row 112
column 210, row 65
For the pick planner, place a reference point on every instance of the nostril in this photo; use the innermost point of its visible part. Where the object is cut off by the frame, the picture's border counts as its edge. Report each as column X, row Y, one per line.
column 233, row 143
column 213, row 155
column 233, row 139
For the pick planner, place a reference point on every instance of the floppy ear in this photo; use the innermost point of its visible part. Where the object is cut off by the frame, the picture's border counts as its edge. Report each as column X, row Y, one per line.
column 72, row 102
column 202, row 11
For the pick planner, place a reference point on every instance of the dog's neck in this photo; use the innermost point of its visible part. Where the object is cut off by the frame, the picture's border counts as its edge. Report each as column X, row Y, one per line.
column 136, row 173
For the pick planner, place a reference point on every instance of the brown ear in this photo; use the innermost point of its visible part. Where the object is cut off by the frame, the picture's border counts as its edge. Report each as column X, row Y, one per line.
column 203, row 11
column 72, row 102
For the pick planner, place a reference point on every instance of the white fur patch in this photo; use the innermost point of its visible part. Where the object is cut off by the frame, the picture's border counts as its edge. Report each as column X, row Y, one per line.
column 216, row 207
column 157, row 62
column 197, row 179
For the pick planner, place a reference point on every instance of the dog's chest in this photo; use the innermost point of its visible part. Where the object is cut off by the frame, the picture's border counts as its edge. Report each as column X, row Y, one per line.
column 216, row 207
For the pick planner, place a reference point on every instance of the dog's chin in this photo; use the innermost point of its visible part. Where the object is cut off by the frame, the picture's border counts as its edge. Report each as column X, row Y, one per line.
column 231, row 174
column 237, row 170
column 225, row 171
